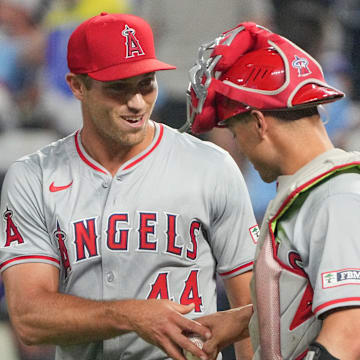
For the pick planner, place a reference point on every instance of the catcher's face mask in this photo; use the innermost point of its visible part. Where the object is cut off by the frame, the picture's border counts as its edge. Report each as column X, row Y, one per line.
column 250, row 67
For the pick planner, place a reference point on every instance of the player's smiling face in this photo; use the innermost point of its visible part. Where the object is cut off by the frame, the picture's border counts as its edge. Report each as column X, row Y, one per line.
column 120, row 110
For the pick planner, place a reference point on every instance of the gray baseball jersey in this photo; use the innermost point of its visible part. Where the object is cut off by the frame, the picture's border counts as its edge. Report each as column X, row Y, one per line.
column 307, row 261
column 170, row 219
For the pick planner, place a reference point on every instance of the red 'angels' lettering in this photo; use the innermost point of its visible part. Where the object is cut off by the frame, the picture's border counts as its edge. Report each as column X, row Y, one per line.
column 190, row 293
column 120, row 241
column 304, row 310
column 171, row 233
column 61, row 236
column 194, row 230
column 296, row 263
column 12, row 232
column 145, row 228
column 85, row 238
column 118, row 235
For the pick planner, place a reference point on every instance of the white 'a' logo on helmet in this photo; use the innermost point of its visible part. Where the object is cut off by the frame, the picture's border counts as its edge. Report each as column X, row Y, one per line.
column 132, row 44
column 301, row 64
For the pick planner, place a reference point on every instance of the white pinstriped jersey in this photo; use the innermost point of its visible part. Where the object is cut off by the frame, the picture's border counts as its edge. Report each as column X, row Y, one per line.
column 170, row 219
column 307, row 260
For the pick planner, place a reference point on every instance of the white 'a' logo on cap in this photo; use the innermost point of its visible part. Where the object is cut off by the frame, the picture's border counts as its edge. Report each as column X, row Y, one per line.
column 132, row 44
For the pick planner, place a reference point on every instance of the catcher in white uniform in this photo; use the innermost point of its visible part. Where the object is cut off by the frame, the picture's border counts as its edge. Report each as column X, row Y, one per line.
column 306, row 283
column 111, row 235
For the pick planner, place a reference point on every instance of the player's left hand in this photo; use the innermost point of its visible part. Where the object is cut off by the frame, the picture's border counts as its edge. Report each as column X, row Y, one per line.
column 227, row 327
column 161, row 323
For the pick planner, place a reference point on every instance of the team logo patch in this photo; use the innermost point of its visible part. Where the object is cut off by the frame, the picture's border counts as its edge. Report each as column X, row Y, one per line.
column 60, row 236
column 255, row 233
column 132, row 44
column 340, row 277
column 12, row 231
column 301, row 64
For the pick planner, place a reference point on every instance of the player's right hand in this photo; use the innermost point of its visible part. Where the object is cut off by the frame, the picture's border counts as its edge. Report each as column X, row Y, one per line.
column 227, row 327
column 161, row 323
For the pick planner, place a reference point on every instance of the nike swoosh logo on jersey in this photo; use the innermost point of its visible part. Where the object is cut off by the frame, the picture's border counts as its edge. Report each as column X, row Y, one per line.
column 54, row 188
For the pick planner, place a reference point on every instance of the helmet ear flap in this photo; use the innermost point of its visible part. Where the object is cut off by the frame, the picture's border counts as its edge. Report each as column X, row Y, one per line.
column 205, row 121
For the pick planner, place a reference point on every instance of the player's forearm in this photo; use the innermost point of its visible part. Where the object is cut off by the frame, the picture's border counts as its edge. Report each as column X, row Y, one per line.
column 237, row 322
column 42, row 315
column 337, row 333
column 243, row 349
column 64, row 319
column 238, row 292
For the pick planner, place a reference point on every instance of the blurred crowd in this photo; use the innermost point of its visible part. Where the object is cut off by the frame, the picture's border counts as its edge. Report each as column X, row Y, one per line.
column 36, row 106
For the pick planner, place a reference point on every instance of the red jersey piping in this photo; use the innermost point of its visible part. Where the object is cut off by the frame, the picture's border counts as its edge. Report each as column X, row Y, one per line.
column 82, row 156
column 39, row 257
column 150, row 150
column 237, row 269
column 289, row 198
column 332, row 302
column 89, row 163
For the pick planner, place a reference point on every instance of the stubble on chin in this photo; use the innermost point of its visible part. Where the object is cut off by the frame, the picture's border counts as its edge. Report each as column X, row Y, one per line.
column 114, row 134
column 117, row 138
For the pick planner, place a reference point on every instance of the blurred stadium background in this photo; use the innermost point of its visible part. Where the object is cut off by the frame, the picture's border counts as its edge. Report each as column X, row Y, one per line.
column 36, row 107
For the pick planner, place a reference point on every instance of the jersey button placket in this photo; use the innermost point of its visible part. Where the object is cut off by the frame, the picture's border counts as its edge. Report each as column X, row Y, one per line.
column 112, row 284
column 110, row 276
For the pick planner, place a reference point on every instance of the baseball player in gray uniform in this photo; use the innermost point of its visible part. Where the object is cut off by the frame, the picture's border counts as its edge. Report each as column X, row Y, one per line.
column 306, row 284
column 114, row 233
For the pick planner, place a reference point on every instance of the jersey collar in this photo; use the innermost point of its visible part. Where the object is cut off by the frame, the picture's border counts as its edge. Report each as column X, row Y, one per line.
column 88, row 160
column 284, row 181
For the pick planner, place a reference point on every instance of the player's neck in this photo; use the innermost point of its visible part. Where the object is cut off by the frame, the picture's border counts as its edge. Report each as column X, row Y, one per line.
column 110, row 154
column 303, row 146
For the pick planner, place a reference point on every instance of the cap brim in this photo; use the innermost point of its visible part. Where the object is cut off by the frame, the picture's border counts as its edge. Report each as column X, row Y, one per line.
column 130, row 69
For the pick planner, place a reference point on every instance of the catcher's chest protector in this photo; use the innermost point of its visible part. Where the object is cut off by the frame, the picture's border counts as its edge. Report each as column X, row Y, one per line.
column 284, row 324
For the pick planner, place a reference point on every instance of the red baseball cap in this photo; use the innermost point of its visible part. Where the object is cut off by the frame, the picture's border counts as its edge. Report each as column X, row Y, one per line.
column 109, row 47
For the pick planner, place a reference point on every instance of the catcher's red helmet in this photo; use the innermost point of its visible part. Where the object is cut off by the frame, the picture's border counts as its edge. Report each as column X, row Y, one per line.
column 264, row 72
column 253, row 68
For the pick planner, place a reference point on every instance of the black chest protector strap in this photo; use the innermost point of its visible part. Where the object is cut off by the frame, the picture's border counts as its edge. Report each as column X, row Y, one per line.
column 318, row 352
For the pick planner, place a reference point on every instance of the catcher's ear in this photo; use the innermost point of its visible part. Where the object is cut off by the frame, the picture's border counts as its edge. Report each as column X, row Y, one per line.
column 76, row 85
column 261, row 123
